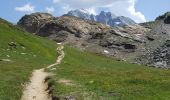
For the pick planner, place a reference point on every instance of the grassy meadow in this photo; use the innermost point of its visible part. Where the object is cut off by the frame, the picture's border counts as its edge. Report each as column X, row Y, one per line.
column 88, row 76
column 20, row 53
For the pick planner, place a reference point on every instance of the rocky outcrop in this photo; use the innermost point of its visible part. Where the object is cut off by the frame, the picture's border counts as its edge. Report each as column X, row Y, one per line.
column 157, row 46
column 147, row 43
column 34, row 21
column 165, row 18
column 120, row 42
column 159, row 58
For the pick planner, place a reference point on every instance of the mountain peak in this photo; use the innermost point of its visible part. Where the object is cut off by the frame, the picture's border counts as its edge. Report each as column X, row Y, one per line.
column 82, row 10
column 107, row 14
column 82, row 13
column 107, row 18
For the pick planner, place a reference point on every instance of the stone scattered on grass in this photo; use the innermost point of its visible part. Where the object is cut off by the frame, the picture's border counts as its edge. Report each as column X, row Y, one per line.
column 65, row 82
column 23, row 53
column 23, row 47
column 6, row 60
column 12, row 45
column 8, row 56
column 91, row 81
column 70, row 98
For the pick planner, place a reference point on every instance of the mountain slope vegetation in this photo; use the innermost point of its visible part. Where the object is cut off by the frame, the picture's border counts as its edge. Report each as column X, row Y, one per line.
column 20, row 53
column 88, row 76
column 85, row 73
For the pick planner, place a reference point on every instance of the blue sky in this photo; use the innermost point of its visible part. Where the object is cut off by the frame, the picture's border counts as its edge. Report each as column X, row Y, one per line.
column 139, row 10
column 152, row 8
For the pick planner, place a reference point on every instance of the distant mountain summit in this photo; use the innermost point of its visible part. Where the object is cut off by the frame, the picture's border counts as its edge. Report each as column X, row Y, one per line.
column 82, row 13
column 107, row 18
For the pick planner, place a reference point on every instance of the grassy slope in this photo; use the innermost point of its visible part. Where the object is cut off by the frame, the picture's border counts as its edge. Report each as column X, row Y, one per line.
column 30, row 53
column 101, row 78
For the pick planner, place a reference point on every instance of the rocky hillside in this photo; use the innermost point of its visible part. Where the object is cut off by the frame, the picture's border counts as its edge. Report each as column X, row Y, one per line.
column 165, row 18
column 107, row 18
column 158, row 49
column 136, row 43
column 119, row 42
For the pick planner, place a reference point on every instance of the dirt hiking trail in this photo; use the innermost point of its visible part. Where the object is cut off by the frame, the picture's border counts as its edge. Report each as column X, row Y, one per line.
column 37, row 89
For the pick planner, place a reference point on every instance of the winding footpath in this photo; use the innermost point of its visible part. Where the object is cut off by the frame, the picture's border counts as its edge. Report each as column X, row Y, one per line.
column 37, row 89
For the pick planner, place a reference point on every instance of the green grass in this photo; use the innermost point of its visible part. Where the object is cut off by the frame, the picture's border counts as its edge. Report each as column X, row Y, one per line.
column 30, row 52
column 96, row 77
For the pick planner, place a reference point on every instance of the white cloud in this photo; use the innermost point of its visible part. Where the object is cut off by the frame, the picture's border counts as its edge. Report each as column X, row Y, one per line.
column 138, row 16
column 66, row 8
column 118, row 7
column 91, row 10
column 26, row 8
column 50, row 10
column 127, row 8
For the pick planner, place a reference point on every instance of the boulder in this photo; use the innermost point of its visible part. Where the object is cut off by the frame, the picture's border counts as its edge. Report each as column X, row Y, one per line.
column 33, row 22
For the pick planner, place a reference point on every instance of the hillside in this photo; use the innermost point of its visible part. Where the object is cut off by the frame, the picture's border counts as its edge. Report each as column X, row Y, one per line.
column 88, row 76
column 158, row 47
column 84, row 73
column 120, row 42
column 20, row 53
column 142, row 43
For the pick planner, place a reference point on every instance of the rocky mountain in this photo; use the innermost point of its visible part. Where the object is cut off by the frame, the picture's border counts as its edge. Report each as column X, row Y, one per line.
column 104, row 17
column 82, row 13
column 147, row 43
column 161, row 56
column 88, row 35
column 158, row 48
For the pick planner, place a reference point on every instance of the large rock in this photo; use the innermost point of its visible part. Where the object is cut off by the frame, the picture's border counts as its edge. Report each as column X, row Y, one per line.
column 33, row 22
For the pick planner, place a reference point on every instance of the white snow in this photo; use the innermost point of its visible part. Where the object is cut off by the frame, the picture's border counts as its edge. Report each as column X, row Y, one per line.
column 117, row 23
column 59, row 43
column 105, row 51
column 83, row 10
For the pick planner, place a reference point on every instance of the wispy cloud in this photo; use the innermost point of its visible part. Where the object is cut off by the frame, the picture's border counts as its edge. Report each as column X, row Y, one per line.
column 26, row 8
column 50, row 9
column 138, row 16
